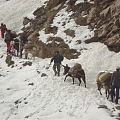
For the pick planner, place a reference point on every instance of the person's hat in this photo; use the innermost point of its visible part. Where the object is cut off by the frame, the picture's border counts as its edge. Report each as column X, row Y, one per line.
column 117, row 68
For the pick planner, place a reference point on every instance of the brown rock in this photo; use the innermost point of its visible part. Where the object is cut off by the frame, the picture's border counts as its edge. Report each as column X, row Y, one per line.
column 49, row 30
column 27, row 63
column 53, row 3
column 70, row 32
column 26, row 21
column 31, row 84
column 93, row 39
column 43, row 75
column 9, row 60
column 82, row 21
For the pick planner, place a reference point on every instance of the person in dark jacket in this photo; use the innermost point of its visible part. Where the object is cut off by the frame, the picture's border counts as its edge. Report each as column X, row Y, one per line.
column 23, row 38
column 115, row 85
column 57, row 58
column 23, row 41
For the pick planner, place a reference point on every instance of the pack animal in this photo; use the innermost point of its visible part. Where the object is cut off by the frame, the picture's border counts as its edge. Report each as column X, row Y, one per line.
column 75, row 72
column 104, row 81
column 30, row 49
column 16, row 46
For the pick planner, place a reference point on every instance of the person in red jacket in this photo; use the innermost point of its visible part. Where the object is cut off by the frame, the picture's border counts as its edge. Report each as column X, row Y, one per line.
column 8, row 40
column 3, row 29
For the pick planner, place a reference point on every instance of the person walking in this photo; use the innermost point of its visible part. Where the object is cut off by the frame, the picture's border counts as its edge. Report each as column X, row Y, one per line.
column 3, row 30
column 115, row 85
column 57, row 58
column 8, row 40
column 23, row 41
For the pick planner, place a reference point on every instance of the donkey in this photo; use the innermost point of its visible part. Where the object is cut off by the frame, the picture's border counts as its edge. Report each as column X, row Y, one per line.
column 79, row 74
column 104, row 81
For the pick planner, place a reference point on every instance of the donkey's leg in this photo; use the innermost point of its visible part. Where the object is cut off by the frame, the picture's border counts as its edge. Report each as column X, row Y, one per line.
column 100, row 92
column 108, row 93
column 66, row 77
column 84, row 80
column 79, row 81
column 73, row 80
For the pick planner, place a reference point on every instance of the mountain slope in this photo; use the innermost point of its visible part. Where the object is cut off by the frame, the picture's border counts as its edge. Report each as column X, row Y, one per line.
column 12, row 12
column 26, row 95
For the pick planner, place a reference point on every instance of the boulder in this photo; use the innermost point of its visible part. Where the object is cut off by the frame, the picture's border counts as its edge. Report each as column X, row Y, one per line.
column 70, row 32
column 9, row 60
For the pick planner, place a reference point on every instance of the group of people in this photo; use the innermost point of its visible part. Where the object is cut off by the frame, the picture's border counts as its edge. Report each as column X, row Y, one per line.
column 18, row 41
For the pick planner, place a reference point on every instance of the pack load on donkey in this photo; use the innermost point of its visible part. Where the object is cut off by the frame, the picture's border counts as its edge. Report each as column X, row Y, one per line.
column 104, row 81
column 104, row 76
column 75, row 69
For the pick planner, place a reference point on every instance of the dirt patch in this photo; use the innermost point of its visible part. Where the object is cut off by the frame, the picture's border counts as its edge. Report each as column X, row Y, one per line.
column 31, row 84
column 103, row 106
column 43, row 75
column 27, row 63
column 93, row 39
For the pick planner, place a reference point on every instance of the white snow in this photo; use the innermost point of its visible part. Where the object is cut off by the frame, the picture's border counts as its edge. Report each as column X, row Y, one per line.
column 12, row 12
column 81, row 1
column 50, row 98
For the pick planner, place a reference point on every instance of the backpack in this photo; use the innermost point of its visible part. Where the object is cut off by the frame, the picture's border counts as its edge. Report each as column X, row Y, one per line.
column 7, row 37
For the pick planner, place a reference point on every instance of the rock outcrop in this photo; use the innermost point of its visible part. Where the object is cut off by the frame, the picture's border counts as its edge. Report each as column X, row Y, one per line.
column 44, row 19
column 103, row 16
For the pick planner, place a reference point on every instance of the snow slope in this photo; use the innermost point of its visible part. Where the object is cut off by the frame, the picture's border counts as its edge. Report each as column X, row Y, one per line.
column 50, row 98
column 12, row 12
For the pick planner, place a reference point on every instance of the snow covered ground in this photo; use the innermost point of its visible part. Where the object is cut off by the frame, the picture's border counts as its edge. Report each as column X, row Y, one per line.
column 12, row 12
column 50, row 98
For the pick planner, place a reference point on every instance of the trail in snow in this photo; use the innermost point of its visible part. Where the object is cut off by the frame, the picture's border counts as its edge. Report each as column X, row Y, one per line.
column 50, row 98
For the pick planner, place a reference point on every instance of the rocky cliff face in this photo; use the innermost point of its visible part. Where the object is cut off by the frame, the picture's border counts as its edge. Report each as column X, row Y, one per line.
column 44, row 19
column 103, row 16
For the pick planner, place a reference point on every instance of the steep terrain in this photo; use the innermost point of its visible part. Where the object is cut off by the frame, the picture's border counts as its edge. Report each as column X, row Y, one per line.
column 102, row 17
column 28, row 88
column 105, row 18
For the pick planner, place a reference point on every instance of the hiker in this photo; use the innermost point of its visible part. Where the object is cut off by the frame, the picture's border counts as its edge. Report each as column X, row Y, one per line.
column 23, row 38
column 23, row 41
column 8, row 40
column 115, row 85
column 57, row 58
column 3, row 29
